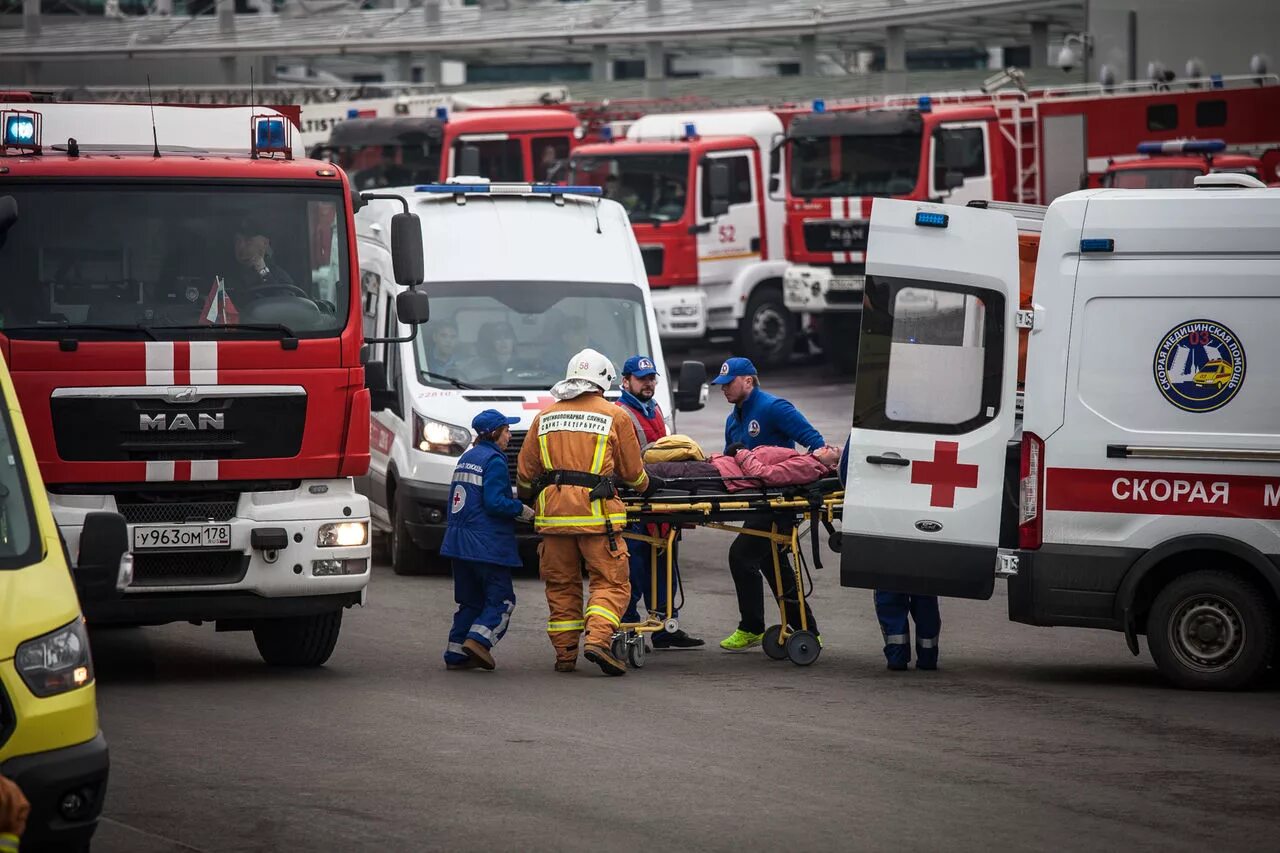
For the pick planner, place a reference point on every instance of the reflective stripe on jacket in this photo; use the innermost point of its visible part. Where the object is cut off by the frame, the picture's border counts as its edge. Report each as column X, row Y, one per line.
column 588, row 434
column 481, row 509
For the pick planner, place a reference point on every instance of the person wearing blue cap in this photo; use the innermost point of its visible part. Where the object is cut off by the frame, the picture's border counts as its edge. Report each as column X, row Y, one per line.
column 759, row 418
column 639, row 384
column 480, row 538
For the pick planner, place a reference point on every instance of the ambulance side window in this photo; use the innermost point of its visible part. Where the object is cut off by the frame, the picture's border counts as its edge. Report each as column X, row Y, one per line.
column 931, row 357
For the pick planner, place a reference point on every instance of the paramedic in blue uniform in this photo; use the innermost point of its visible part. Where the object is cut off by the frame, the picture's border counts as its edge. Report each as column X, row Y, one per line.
column 892, row 609
column 480, row 538
column 639, row 382
column 759, row 418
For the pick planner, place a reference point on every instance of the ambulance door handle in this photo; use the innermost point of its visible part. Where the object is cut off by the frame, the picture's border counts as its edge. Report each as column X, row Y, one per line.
column 889, row 459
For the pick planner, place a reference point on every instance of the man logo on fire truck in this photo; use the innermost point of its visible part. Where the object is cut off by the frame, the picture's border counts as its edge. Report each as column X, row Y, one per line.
column 1199, row 366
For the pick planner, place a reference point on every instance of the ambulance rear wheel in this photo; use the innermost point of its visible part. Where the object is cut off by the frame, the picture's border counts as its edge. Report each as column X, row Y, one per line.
column 298, row 640
column 803, row 648
column 767, row 334
column 1211, row 630
column 772, row 643
column 406, row 557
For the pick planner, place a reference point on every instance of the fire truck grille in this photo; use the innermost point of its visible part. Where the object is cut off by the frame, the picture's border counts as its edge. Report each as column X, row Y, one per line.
column 123, row 429
column 513, row 452
column 189, row 568
column 654, row 258
column 836, row 235
column 177, row 512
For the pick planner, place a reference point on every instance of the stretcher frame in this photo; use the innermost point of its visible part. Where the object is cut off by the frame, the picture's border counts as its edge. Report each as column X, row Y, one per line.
column 716, row 512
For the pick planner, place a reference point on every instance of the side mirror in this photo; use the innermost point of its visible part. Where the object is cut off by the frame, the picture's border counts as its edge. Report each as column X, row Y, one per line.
column 375, row 379
column 469, row 162
column 952, row 180
column 413, row 308
column 8, row 212
column 691, row 389
column 406, row 249
column 104, row 566
column 718, row 178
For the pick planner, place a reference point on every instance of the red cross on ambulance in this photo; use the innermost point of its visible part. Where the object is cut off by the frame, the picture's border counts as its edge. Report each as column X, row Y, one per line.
column 944, row 474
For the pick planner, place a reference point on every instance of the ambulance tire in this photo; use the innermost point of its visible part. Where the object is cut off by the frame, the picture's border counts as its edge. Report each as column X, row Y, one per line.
column 406, row 557
column 767, row 334
column 298, row 640
column 1224, row 604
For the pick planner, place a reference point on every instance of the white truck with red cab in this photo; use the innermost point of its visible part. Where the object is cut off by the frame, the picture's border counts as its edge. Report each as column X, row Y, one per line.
column 1144, row 493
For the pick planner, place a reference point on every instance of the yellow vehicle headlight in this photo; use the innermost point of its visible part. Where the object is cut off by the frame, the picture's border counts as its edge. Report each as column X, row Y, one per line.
column 343, row 534
column 57, row 661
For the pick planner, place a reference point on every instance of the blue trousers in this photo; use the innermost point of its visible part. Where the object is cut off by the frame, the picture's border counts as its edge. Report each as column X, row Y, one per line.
column 485, row 600
column 641, row 585
column 892, row 609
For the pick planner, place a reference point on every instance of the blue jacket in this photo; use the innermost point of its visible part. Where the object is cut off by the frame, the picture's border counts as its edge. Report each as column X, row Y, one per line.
column 763, row 419
column 481, row 509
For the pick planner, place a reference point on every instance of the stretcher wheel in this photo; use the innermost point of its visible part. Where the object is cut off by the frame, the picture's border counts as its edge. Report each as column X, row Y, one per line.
column 636, row 653
column 803, row 648
column 671, row 625
column 618, row 646
column 772, row 643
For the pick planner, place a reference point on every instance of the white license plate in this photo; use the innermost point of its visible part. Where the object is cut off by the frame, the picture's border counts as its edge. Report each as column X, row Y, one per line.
column 853, row 282
column 149, row 537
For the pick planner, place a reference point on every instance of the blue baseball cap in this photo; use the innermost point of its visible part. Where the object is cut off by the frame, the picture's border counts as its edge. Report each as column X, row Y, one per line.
column 489, row 420
column 732, row 369
column 639, row 366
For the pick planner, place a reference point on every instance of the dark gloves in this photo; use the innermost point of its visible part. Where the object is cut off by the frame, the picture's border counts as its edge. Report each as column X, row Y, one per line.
column 655, row 483
column 732, row 450
column 526, row 514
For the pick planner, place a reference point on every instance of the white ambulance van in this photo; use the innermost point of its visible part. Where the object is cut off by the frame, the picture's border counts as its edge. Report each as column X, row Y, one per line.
column 1142, row 494
column 520, row 278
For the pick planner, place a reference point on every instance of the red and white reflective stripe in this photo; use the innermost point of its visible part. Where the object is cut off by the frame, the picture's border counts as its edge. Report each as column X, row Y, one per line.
column 203, row 362
column 1162, row 493
column 160, row 362
column 182, row 363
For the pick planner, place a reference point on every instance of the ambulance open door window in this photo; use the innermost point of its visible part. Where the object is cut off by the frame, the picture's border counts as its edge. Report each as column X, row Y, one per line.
column 931, row 357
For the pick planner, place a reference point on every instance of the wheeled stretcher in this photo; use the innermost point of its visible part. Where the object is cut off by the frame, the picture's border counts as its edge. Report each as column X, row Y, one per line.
column 818, row 503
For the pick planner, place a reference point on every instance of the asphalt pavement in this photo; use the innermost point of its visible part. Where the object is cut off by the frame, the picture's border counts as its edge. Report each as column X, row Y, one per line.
column 1027, row 738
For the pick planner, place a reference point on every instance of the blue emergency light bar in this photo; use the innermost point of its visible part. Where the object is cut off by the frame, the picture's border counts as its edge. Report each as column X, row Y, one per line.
column 507, row 189
column 21, row 131
column 1183, row 146
column 442, row 113
column 931, row 220
column 925, row 104
column 690, row 132
column 1097, row 244
column 606, row 133
column 819, row 105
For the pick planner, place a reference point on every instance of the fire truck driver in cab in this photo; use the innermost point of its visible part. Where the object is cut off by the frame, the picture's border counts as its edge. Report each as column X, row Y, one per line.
column 257, row 273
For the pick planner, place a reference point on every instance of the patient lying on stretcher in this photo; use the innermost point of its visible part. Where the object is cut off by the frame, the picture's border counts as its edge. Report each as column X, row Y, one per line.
column 741, row 469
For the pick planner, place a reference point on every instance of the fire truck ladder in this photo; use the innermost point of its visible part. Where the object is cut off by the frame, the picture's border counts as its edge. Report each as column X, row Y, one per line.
column 1020, row 126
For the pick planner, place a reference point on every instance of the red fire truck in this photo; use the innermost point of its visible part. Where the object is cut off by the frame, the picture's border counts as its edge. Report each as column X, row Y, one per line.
column 510, row 145
column 1176, row 164
column 1027, row 147
column 181, row 317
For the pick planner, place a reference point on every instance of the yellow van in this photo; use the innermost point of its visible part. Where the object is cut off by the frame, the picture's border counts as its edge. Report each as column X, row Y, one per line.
column 50, row 743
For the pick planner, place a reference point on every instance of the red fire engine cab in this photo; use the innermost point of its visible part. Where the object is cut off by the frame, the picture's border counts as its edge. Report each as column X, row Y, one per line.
column 1028, row 147
column 181, row 318
column 508, row 145
column 1176, row 165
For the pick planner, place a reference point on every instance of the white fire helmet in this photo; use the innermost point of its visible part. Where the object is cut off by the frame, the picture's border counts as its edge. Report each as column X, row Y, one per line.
column 593, row 367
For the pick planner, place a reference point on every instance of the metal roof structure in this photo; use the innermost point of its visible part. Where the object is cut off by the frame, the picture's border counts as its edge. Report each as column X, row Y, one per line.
column 536, row 31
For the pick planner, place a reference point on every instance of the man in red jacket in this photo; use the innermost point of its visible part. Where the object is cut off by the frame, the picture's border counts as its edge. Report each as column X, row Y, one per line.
column 639, row 382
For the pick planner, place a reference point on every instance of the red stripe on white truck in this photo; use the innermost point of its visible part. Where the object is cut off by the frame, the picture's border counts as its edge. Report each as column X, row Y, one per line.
column 1162, row 493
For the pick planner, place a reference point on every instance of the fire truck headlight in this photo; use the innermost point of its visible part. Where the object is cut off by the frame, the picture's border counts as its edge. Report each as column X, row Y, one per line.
column 343, row 534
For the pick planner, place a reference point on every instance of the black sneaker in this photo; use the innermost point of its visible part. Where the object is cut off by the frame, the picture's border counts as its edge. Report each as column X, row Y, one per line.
column 678, row 640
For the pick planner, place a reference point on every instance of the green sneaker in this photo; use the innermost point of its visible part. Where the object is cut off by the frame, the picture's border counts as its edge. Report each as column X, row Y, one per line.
column 740, row 640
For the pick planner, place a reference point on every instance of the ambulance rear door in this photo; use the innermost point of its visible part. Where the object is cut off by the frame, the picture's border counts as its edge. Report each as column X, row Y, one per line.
column 934, row 403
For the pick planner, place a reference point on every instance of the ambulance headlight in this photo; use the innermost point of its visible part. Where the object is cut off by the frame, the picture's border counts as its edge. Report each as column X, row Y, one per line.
column 57, row 661
column 343, row 534
column 439, row 437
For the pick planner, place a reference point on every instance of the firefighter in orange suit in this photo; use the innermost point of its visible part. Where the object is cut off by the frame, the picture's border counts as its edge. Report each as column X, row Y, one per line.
column 574, row 451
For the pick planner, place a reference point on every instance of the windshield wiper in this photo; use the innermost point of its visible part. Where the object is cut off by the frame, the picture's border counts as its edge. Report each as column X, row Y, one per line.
column 452, row 380
column 224, row 327
column 83, row 327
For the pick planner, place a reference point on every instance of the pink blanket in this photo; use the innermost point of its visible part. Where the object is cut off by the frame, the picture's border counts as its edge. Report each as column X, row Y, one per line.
column 772, row 466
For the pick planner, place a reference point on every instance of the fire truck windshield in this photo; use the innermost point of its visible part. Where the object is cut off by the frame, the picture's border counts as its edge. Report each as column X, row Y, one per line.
column 652, row 187
column 521, row 335
column 829, row 166
column 400, row 165
column 111, row 261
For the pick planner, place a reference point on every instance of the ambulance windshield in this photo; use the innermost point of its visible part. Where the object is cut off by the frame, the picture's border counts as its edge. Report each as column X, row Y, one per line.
column 521, row 335
column 129, row 262
column 18, row 545
column 652, row 187
column 829, row 166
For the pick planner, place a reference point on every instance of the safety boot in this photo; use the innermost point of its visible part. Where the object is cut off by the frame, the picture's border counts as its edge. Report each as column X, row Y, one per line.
column 566, row 665
column 478, row 653
column 603, row 658
column 469, row 663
